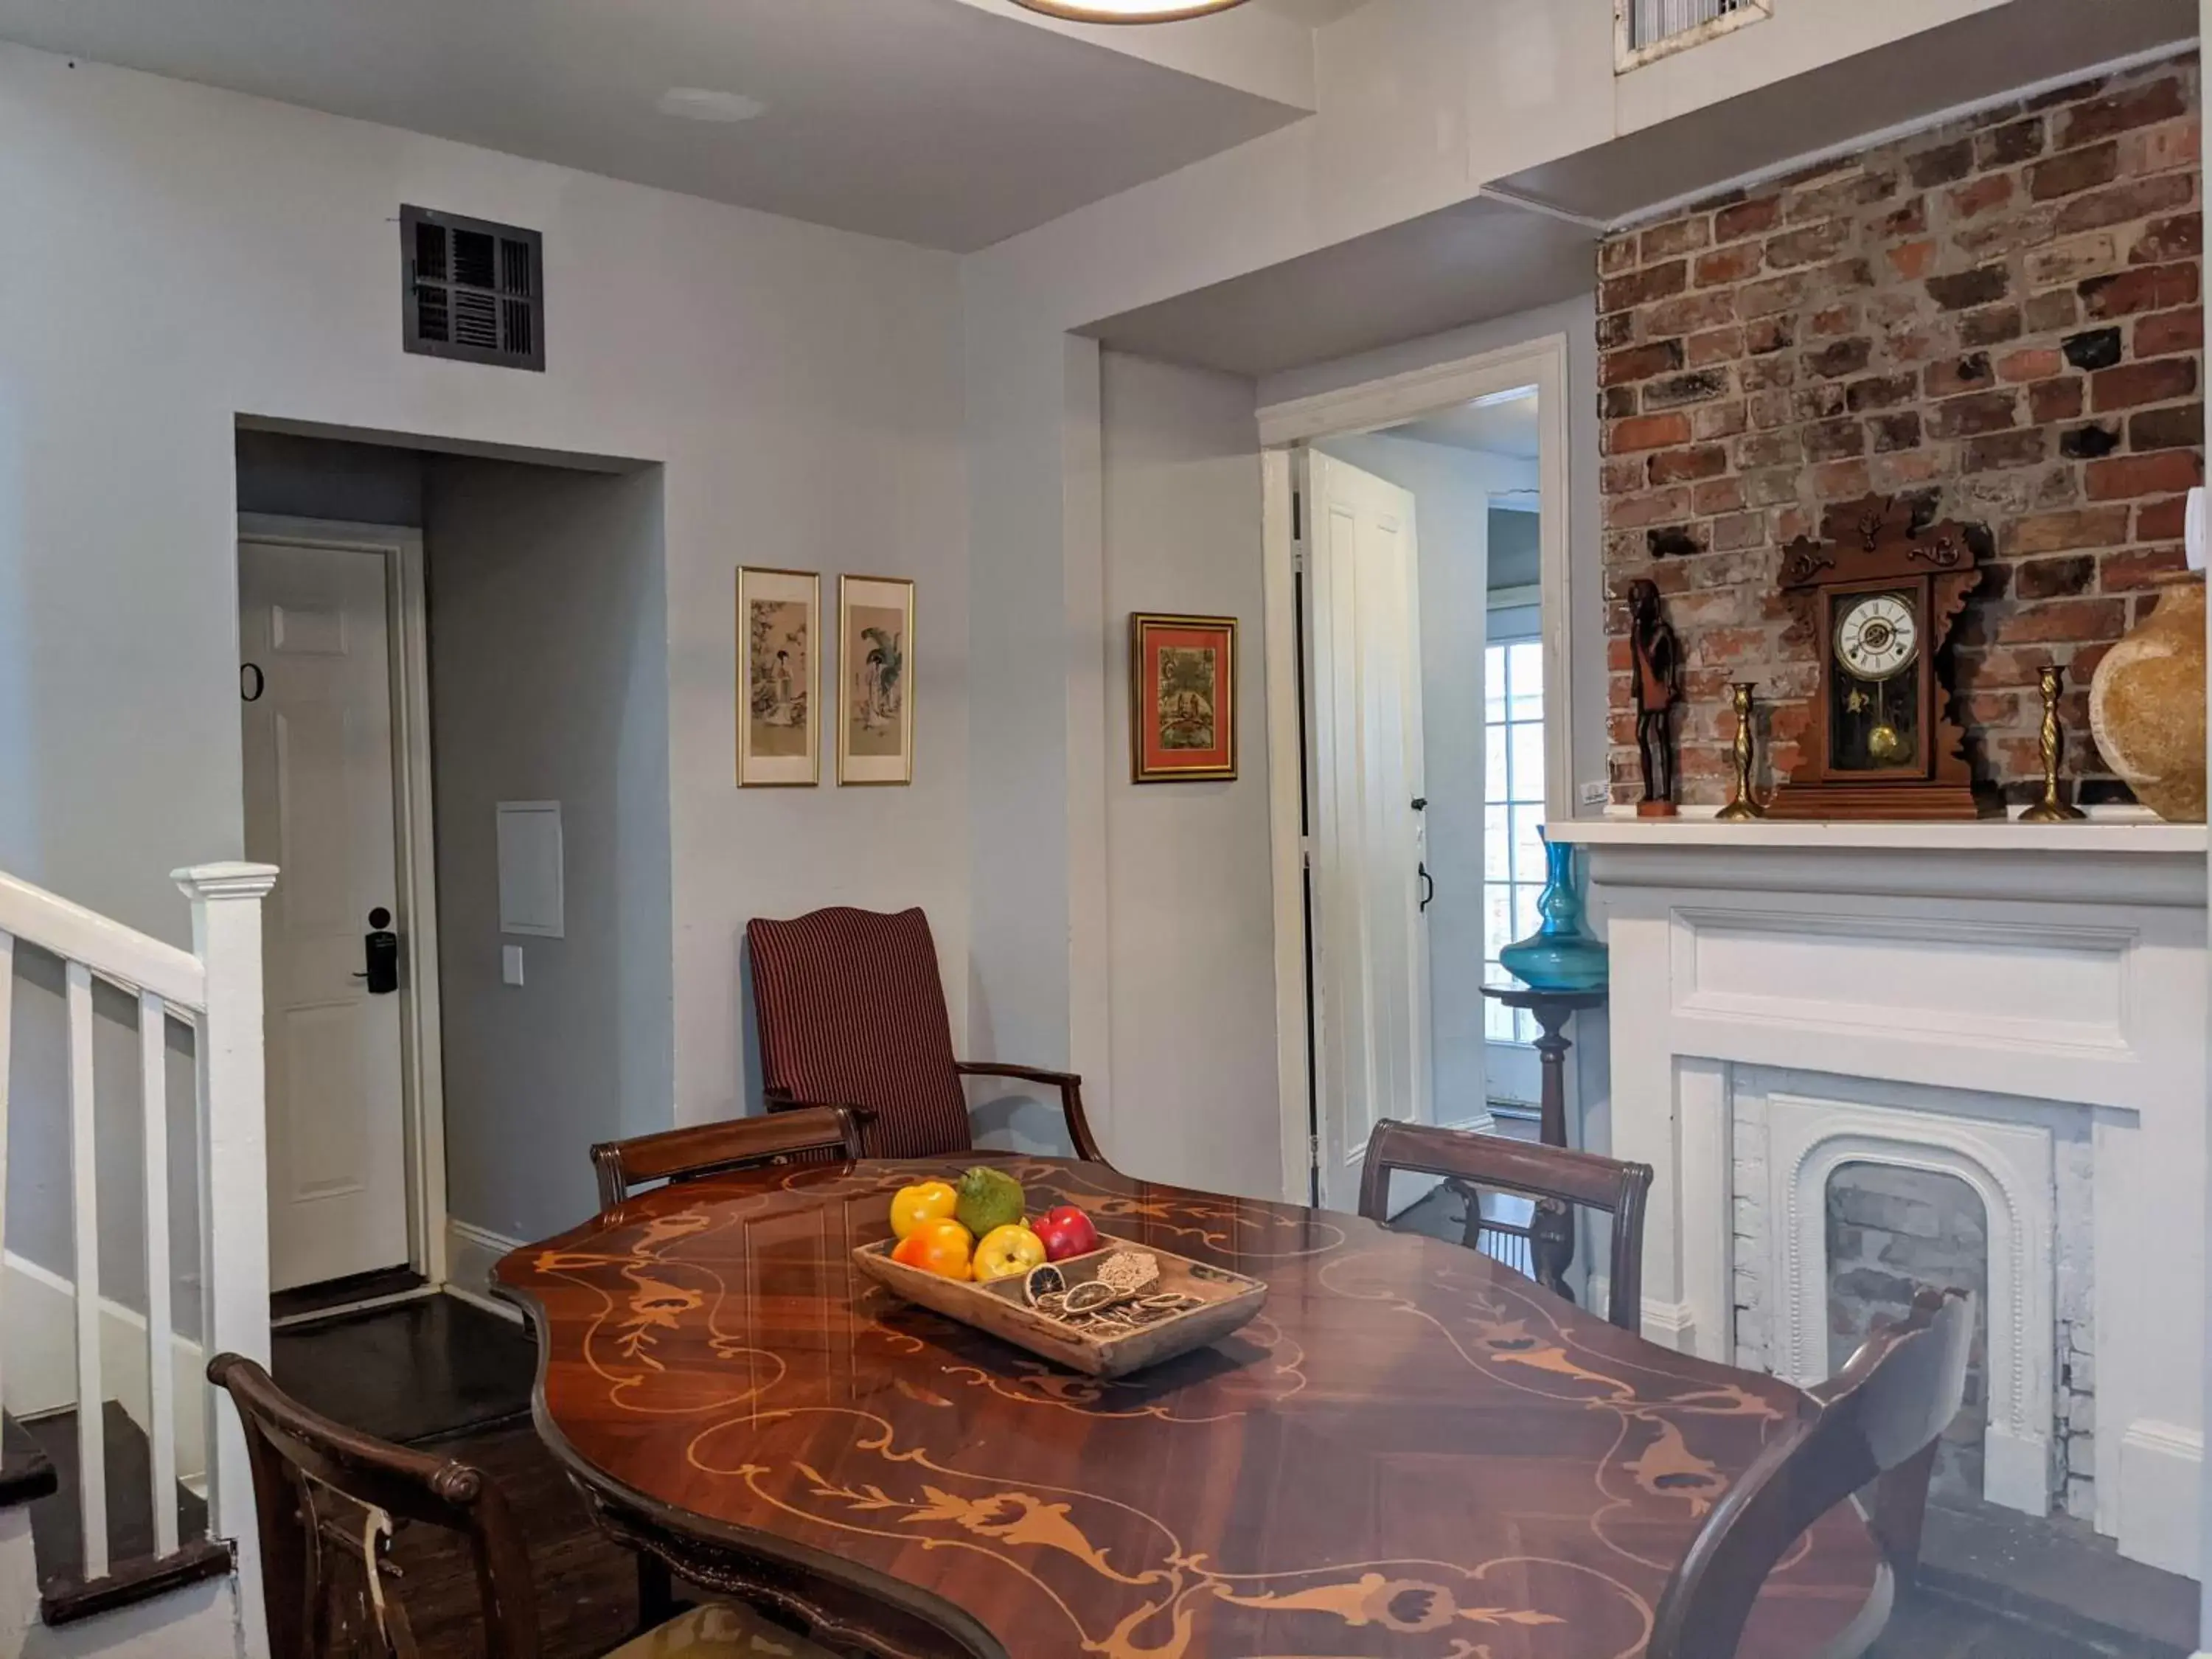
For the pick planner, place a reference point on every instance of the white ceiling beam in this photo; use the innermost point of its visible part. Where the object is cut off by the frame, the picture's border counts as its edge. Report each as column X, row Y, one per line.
column 1250, row 49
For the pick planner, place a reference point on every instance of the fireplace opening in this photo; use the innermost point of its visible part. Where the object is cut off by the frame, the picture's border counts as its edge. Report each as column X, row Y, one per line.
column 1892, row 1233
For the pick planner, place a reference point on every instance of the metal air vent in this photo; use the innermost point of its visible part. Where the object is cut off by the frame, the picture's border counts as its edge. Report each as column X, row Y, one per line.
column 1648, row 29
column 475, row 290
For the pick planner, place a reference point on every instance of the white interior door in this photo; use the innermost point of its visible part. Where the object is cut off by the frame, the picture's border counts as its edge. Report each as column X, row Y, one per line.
column 315, row 637
column 1370, row 941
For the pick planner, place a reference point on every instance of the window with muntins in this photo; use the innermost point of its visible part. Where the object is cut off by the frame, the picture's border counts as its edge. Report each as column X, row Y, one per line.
column 1513, row 815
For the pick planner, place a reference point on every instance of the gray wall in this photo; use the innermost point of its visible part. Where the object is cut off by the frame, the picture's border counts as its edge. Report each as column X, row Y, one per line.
column 1516, row 554
column 1190, row 901
column 287, row 476
column 1452, row 490
column 549, row 681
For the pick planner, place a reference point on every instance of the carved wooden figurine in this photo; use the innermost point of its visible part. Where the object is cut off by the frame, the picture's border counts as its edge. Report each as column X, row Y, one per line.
column 1658, row 661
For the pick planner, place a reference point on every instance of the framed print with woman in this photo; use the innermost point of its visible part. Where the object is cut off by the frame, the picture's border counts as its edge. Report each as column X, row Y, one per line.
column 779, row 678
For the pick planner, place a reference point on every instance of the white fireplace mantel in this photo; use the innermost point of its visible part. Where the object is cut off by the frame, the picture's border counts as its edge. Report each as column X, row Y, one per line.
column 1944, row 981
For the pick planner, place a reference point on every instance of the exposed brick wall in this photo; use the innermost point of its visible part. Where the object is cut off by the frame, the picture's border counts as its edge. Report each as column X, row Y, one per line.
column 2004, row 316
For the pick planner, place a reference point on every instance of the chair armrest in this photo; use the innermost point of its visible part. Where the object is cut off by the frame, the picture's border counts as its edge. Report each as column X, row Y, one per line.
column 1071, row 1098
column 777, row 1101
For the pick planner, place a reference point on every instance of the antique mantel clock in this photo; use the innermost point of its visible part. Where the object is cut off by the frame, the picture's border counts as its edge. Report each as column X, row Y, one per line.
column 1885, row 594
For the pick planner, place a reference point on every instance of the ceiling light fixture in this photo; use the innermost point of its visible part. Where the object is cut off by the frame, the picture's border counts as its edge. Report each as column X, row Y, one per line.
column 1127, row 11
column 700, row 103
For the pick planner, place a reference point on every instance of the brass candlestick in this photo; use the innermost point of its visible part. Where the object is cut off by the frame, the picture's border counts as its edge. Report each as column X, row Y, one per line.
column 1744, row 806
column 2053, row 807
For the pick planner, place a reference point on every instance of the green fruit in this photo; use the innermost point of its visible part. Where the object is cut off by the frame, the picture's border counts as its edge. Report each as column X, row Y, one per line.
column 989, row 1199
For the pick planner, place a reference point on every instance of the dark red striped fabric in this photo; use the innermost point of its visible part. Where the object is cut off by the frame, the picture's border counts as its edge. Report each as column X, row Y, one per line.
column 852, row 1013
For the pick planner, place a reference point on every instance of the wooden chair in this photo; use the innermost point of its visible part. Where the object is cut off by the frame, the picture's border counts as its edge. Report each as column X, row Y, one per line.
column 706, row 1149
column 324, row 1493
column 1879, row 1422
column 852, row 1013
column 1555, row 1177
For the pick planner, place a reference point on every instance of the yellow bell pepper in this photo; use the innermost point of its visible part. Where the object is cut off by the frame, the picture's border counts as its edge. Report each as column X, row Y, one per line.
column 1007, row 1250
column 925, row 1200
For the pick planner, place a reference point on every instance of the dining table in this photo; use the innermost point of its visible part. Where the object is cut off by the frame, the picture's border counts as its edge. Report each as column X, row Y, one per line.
column 1409, row 1450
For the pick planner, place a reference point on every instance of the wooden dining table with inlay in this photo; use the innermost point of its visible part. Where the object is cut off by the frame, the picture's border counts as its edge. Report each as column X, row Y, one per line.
column 1411, row 1450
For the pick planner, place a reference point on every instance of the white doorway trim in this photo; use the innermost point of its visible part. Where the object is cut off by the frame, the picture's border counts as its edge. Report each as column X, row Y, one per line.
column 1372, row 404
column 422, row 1043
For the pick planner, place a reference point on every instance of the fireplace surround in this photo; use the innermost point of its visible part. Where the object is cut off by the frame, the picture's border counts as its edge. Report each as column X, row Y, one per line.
column 2019, row 1007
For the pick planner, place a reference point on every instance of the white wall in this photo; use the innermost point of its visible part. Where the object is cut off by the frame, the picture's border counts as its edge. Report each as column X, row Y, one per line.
column 1452, row 490
column 1191, row 919
column 800, row 387
column 549, row 670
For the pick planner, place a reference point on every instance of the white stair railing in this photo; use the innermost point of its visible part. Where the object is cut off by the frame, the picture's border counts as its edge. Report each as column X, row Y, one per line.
column 215, row 989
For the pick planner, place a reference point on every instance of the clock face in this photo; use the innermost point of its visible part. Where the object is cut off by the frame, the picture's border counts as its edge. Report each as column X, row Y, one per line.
column 1877, row 636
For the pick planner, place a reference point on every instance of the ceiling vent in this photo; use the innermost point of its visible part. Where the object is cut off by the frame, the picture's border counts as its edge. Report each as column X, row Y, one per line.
column 1650, row 29
column 476, row 291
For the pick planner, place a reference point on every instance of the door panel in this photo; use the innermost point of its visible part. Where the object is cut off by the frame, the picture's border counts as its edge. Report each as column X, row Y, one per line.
column 1371, row 1000
column 319, row 806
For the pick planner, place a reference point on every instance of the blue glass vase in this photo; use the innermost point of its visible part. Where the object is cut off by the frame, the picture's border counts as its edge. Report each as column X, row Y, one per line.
column 1561, row 954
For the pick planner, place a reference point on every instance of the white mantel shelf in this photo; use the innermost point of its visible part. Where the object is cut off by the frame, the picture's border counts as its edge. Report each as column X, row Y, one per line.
column 2097, row 836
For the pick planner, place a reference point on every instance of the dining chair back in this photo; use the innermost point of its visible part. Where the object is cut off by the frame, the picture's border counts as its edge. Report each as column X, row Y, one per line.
column 815, row 1134
column 1557, row 1179
column 1877, row 1423
column 327, row 1499
column 852, row 1013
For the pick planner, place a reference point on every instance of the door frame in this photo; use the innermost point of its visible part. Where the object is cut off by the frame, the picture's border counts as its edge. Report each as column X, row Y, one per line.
column 1387, row 401
column 422, row 1064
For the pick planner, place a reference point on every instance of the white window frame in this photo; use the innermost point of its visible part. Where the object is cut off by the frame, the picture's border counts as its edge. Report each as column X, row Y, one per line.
column 1627, row 56
column 1504, row 600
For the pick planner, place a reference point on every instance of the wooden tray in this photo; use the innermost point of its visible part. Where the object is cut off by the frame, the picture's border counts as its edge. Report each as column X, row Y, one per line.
column 1227, row 1301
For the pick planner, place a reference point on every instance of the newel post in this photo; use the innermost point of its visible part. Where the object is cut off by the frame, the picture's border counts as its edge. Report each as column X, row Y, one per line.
column 234, row 1188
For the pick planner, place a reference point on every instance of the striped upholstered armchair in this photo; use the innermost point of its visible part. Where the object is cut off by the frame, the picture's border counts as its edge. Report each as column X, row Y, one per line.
column 852, row 1013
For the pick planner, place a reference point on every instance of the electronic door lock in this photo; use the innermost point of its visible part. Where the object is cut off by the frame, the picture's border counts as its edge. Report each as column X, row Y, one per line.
column 381, row 954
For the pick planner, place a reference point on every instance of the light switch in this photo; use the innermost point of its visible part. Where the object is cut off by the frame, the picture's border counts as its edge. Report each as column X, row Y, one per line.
column 510, row 964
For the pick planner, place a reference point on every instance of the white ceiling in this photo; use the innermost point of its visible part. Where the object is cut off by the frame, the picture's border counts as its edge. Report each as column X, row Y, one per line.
column 931, row 121
column 1509, row 428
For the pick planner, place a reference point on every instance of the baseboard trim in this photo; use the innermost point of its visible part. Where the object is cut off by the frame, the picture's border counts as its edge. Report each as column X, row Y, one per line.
column 472, row 1253
column 2161, row 1468
column 1671, row 1324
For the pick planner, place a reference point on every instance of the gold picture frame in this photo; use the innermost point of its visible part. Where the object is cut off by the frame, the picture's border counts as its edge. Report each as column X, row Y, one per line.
column 875, row 680
column 779, row 689
column 1182, row 698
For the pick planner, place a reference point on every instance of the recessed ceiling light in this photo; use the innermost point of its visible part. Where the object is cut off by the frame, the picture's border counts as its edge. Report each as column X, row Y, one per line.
column 1127, row 11
column 700, row 104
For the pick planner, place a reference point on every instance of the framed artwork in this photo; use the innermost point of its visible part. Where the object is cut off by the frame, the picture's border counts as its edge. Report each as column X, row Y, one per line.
column 875, row 667
column 1182, row 698
column 779, row 678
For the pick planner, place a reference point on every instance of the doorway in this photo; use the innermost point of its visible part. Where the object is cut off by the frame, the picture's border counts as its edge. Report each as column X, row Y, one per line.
column 1418, row 593
column 334, row 698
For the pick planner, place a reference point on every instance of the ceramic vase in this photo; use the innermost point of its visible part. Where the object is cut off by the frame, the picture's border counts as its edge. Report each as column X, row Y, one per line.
column 1561, row 954
column 2147, row 702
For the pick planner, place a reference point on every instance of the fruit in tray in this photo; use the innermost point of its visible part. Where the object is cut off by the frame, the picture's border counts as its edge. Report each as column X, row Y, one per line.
column 1004, row 1251
column 941, row 1247
column 1067, row 1231
column 924, row 1201
column 989, row 1199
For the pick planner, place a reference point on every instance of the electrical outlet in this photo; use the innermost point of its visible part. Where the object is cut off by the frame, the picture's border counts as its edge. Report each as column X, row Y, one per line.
column 510, row 964
column 1594, row 795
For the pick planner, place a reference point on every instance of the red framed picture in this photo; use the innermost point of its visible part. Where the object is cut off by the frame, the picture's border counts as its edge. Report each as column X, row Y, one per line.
column 1182, row 698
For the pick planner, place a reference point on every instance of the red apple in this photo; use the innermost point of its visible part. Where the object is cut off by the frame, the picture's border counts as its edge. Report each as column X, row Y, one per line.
column 1067, row 1231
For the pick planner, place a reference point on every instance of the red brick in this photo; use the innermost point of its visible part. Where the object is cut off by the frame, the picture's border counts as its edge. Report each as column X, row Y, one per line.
column 2062, row 532
column 2170, row 331
column 2118, row 112
column 1941, row 165
column 2179, row 425
column 1649, row 432
column 2146, row 288
column 1991, row 325
column 1966, row 289
column 1748, row 218
column 2047, row 313
column 1913, row 260
column 1840, row 481
column 1717, row 495
column 2060, row 621
column 2162, row 522
column 2137, row 199
column 1640, row 362
column 1659, row 283
column 1656, row 507
column 2074, row 171
column 1952, row 375
column 1808, row 247
column 2162, row 148
column 1620, row 477
column 2133, row 567
column 1976, row 413
column 1616, row 255
column 2052, row 401
column 2032, row 363
column 2161, row 380
column 2181, row 237
column 1725, row 420
column 2000, row 451
column 1680, row 236
column 1896, row 473
column 1730, row 265
column 2123, row 477
column 1683, row 465
column 1895, row 432
column 2055, row 579
column 1719, row 345
column 1991, row 191
column 1776, row 294
column 1739, row 531
column 2007, row 146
